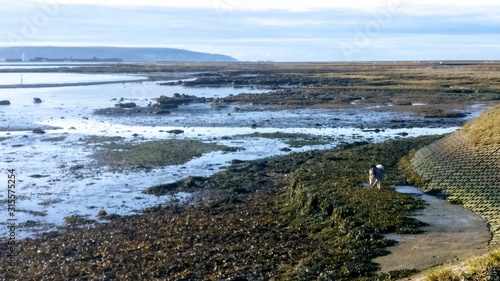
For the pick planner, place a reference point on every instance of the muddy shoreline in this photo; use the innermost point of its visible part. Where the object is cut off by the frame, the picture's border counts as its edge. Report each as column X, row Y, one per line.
column 243, row 210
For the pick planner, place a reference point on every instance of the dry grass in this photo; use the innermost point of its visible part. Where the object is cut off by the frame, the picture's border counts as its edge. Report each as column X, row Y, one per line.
column 483, row 268
column 442, row 275
column 485, row 129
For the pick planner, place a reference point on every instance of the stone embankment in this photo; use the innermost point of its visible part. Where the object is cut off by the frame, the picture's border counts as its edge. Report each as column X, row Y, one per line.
column 466, row 172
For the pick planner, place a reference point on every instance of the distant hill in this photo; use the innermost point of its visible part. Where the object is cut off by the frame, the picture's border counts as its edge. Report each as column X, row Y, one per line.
column 53, row 54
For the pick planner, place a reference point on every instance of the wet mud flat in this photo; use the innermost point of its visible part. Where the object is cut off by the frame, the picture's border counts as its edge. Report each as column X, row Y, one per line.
column 77, row 168
column 270, row 218
column 432, row 89
column 257, row 220
column 411, row 94
column 192, row 111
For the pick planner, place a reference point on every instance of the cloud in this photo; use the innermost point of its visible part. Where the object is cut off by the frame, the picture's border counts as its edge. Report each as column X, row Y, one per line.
column 280, row 22
column 421, row 5
column 255, row 29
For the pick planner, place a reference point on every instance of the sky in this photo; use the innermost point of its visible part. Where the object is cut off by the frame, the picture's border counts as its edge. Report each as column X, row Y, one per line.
column 253, row 30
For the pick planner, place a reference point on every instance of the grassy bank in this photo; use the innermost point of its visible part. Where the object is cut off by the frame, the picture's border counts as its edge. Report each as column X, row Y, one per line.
column 484, row 130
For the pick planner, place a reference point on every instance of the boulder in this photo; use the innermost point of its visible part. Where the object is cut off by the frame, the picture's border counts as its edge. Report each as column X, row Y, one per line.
column 37, row 100
column 38, row 131
column 4, row 102
column 176, row 132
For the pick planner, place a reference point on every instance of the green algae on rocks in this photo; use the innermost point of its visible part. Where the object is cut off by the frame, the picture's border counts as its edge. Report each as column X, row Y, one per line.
column 153, row 154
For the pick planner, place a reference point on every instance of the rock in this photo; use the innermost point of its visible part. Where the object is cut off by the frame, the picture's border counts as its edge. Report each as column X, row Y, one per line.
column 37, row 176
column 164, row 106
column 76, row 167
column 161, row 112
column 38, row 131
column 126, row 105
column 4, row 102
column 177, row 99
column 176, row 132
column 37, row 100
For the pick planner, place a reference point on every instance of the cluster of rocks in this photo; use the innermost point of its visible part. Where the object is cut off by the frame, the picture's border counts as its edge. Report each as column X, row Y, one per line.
column 7, row 102
column 163, row 105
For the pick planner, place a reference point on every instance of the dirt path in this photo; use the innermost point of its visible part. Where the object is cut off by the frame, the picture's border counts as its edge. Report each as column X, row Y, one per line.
column 454, row 234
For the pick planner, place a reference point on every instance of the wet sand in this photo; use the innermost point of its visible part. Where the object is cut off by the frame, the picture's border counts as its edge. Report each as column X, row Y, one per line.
column 453, row 234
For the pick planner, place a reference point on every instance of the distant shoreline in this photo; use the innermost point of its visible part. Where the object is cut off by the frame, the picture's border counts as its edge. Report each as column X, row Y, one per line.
column 53, row 85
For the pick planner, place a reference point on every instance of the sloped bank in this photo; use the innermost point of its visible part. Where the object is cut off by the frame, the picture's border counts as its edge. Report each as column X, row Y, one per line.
column 464, row 167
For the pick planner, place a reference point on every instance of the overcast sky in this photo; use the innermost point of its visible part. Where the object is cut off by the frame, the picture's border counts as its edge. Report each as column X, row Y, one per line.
column 313, row 30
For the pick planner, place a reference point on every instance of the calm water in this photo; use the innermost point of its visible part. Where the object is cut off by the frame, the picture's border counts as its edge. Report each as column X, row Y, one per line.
column 30, row 78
